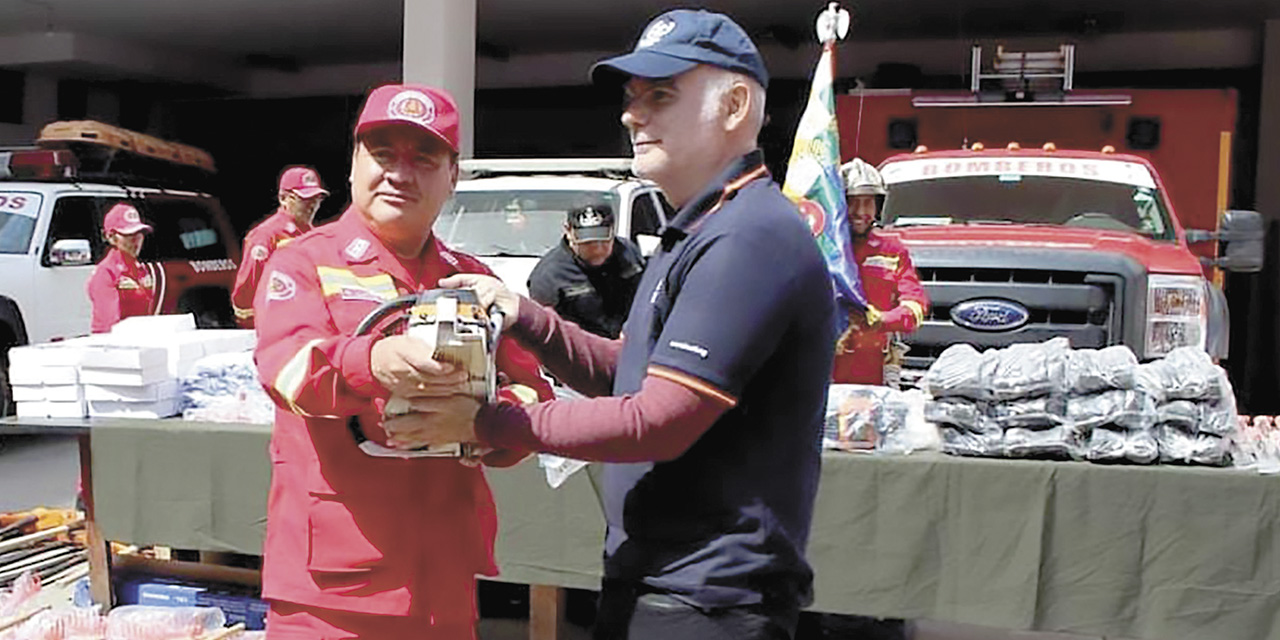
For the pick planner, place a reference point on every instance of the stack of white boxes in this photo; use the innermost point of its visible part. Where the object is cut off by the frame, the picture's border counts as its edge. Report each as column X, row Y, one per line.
column 131, row 372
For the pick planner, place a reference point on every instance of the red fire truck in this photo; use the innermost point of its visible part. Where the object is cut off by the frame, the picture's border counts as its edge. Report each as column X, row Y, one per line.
column 1033, row 210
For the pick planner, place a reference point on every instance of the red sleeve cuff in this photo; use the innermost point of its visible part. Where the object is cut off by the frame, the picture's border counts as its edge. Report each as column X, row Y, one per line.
column 355, row 366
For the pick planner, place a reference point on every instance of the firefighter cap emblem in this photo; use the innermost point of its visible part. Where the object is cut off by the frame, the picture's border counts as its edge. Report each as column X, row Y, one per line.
column 590, row 218
column 655, row 32
column 413, row 106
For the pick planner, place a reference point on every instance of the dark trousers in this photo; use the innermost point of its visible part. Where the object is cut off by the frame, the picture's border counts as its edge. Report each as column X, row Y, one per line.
column 628, row 614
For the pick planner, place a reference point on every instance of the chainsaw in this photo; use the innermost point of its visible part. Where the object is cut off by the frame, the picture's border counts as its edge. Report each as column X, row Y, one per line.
column 459, row 331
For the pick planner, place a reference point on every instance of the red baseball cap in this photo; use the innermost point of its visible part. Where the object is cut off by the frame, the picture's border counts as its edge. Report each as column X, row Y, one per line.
column 303, row 181
column 123, row 218
column 430, row 109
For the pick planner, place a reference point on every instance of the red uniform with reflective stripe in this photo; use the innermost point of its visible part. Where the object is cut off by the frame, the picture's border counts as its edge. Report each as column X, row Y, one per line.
column 892, row 286
column 120, row 287
column 261, row 241
column 347, row 531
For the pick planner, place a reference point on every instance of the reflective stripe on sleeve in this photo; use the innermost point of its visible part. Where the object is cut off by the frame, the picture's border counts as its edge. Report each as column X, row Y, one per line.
column 693, row 384
column 293, row 375
column 917, row 310
column 334, row 281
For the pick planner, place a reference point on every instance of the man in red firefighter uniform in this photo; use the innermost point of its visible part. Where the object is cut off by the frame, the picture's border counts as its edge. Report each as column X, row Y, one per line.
column 897, row 300
column 358, row 545
column 120, row 286
column 300, row 194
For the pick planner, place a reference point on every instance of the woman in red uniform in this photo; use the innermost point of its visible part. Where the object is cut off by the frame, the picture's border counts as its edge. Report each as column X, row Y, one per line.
column 120, row 286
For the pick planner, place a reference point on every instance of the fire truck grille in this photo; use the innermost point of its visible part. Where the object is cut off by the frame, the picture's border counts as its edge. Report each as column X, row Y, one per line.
column 1080, row 305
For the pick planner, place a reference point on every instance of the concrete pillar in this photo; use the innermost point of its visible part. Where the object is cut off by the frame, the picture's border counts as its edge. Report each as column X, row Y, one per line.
column 1260, row 349
column 440, row 50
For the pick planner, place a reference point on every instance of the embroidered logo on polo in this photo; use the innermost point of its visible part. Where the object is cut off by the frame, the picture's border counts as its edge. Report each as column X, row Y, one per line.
column 346, row 285
column 884, row 262
column 696, row 350
column 281, row 286
column 258, row 252
column 357, row 248
column 655, row 33
column 413, row 106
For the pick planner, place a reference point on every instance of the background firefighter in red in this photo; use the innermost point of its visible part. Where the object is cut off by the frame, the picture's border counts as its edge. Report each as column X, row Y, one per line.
column 120, row 286
column 897, row 300
column 300, row 193
column 359, row 545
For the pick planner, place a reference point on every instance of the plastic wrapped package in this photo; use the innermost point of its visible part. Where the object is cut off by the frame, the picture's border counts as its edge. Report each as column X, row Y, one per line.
column 1093, row 370
column 142, row 622
column 1184, row 414
column 1042, row 413
column 1029, row 370
column 959, row 412
column 851, row 414
column 61, row 624
column 1062, row 441
column 1121, row 445
column 960, row 371
column 901, row 426
column 1130, row 409
column 1187, row 373
column 960, row 442
column 1220, row 417
column 224, row 387
column 1178, row 446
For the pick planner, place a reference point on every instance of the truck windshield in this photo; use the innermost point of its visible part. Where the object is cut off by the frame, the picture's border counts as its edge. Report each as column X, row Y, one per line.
column 1024, row 199
column 524, row 223
column 19, row 211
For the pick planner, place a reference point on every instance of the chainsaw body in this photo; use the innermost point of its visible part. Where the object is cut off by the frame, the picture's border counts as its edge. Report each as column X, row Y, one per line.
column 459, row 331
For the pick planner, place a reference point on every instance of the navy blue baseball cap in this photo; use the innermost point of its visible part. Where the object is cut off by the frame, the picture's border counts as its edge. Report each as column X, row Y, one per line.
column 679, row 40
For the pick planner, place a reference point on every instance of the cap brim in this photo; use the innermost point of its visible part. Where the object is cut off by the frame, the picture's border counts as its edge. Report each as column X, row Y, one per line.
column 643, row 64
column 134, row 229
column 364, row 128
column 592, row 234
column 310, row 192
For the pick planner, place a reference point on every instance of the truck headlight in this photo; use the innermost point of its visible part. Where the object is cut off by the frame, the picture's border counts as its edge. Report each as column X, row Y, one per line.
column 1177, row 314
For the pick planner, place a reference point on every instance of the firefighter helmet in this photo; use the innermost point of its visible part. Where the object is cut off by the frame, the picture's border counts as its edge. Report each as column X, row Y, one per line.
column 862, row 179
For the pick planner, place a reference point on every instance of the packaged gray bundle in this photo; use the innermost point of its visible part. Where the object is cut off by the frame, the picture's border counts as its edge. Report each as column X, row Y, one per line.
column 958, row 412
column 1042, row 412
column 1178, row 446
column 1121, row 445
column 1092, row 370
column 900, row 424
column 1187, row 373
column 960, row 371
column 1029, row 370
column 1131, row 409
column 1184, row 414
column 1062, row 441
column 959, row 442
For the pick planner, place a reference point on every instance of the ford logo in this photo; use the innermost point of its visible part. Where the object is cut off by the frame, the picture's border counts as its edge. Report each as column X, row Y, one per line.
column 990, row 314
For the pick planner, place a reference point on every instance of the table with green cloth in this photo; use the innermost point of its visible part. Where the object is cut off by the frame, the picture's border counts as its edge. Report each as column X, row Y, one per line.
column 1143, row 552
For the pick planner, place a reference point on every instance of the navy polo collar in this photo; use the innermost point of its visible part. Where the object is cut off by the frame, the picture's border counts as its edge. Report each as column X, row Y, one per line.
column 743, row 170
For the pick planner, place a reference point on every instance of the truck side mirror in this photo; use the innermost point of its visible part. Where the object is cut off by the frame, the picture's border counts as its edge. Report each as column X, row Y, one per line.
column 1242, row 234
column 70, row 252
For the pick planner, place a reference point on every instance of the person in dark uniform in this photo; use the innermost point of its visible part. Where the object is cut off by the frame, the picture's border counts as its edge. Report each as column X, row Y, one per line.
column 591, row 276
column 708, row 411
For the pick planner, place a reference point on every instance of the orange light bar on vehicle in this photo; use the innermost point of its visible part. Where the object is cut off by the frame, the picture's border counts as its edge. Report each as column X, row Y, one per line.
column 1108, row 149
column 922, row 149
column 1013, row 146
column 1050, row 147
column 977, row 146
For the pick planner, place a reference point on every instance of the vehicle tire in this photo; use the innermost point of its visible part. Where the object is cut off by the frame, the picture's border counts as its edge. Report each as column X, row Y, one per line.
column 6, row 392
column 211, row 308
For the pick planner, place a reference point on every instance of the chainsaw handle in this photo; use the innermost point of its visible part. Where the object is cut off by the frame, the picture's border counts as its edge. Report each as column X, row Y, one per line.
column 496, row 319
column 385, row 309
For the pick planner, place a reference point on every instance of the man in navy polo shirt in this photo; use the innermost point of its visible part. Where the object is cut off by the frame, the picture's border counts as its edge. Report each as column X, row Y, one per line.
column 709, row 408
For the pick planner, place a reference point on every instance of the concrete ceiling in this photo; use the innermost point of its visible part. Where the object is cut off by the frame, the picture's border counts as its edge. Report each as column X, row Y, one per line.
column 291, row 33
